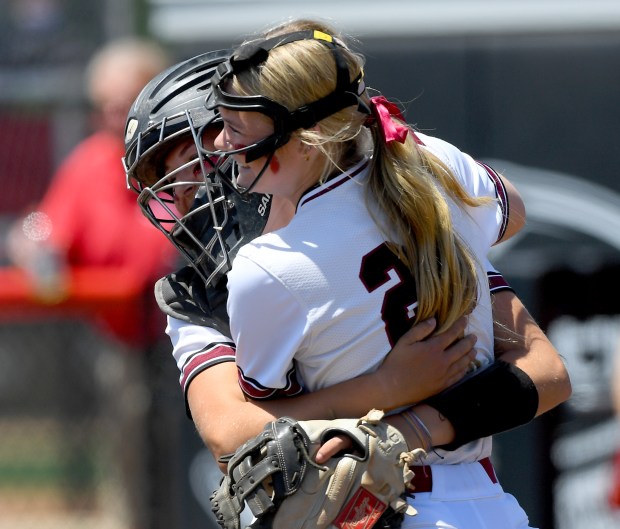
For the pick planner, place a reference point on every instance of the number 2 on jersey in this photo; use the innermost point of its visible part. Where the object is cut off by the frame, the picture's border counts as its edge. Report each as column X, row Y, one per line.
column 400, row 300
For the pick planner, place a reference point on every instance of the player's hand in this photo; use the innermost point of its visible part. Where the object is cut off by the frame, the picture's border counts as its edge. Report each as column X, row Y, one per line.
column 421, row 365
column 331, row 447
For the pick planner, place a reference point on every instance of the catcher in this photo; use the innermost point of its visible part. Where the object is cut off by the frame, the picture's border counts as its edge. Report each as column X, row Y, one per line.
column 189, row 299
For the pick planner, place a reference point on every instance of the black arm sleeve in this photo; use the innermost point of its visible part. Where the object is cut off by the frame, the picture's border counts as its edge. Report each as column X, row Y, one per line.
column 497, row 399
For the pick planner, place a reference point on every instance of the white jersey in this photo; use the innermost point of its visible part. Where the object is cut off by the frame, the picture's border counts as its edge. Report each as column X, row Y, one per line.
column 322, row 300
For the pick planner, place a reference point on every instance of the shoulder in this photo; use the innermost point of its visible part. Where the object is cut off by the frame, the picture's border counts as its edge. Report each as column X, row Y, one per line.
column 99, row 142
column 183, row 295
column 458, row 161
column 256, row 268
column 478, row 178
column 263, row 286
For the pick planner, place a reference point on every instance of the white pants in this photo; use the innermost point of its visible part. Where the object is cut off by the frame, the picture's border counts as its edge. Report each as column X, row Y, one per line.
column 464, row 497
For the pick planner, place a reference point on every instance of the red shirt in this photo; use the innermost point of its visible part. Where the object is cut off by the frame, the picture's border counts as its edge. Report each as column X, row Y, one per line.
column 96, row 220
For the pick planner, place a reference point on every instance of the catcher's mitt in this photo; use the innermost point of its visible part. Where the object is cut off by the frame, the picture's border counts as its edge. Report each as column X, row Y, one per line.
column 275, row 475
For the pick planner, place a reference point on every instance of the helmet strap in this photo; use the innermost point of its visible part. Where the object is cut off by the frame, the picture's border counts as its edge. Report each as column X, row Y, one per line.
column 246, row 190
column 346, row 93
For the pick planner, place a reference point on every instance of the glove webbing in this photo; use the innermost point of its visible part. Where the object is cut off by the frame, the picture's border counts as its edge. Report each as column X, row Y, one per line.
column 250, row 468
column 247, row 476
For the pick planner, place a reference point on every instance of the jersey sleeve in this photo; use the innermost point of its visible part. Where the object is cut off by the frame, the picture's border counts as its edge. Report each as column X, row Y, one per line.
column 497, row 282
column 269, row 326
column 196, row 348
column 480, row 181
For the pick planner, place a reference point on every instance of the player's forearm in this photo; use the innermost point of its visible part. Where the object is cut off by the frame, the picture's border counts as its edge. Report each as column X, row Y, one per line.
column 520, row 341
column 351, row 398
column 536, row 382
column 440, row 429
column 417, row 367
column 225, row 418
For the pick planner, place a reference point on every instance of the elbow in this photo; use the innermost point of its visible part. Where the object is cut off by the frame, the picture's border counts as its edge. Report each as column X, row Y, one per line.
column 564, row 387
column 220, row 446
column 567, row 388
column 220, row 449
column 555, row 391
column 219, row 454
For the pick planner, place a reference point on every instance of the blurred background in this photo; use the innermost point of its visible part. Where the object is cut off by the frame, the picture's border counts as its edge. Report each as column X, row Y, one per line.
column 93, row 432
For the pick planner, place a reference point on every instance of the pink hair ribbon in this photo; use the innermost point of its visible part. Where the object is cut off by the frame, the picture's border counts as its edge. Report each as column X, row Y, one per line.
column 383, row 111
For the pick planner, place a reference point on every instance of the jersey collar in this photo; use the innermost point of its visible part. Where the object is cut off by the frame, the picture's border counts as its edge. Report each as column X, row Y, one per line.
column 334, row 181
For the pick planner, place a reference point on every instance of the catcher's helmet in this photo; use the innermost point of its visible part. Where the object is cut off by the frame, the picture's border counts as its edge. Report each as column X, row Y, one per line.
column 169, row 111
column 168, row 107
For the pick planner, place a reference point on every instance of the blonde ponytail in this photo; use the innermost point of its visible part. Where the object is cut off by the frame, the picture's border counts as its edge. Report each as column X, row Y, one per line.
column 411, row 187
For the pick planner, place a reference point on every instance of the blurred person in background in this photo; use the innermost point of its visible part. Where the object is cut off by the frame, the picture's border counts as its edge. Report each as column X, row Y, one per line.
column 82, row 219
column 88, row 219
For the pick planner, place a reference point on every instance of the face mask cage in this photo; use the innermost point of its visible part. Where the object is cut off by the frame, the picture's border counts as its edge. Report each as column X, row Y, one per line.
column 204, row 234
column 217, row 222
column 143, row 158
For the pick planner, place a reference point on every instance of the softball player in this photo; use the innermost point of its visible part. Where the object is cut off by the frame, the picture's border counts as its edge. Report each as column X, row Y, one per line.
column 383, row 232
column 191, row 340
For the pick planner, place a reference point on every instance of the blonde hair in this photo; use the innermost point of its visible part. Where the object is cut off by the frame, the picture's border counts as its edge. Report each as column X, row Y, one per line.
column 409, row 184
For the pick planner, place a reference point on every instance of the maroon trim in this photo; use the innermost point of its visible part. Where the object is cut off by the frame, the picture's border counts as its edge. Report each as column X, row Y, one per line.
column 497, row 282
column 253, row 389
column 502, row 195
column 423, row 479
column 338, row 181
column 211, row 355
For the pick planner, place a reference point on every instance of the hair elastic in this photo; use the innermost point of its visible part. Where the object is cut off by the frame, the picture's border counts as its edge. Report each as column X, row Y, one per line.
column 383, row 111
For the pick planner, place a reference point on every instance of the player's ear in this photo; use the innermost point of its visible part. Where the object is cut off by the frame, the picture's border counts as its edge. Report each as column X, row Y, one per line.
column 304, row 149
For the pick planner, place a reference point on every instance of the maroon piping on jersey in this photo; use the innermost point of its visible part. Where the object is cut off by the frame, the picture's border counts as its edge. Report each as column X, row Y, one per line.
column 502, row 195
column 255, row 390
column 209, row 356
column 338, row 180
column 497, row 283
